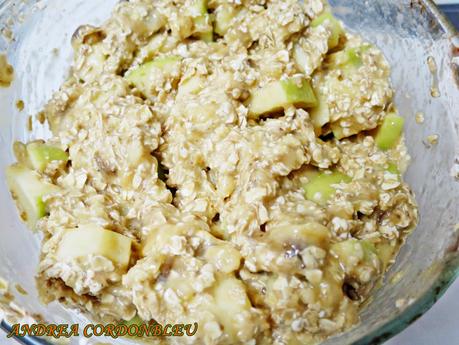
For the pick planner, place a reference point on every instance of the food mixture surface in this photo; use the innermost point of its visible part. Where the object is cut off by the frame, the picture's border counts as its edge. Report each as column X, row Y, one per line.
column 238, row 164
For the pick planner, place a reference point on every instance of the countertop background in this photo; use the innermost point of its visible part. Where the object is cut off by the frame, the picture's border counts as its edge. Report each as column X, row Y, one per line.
column 451, row 8
column 440, row 325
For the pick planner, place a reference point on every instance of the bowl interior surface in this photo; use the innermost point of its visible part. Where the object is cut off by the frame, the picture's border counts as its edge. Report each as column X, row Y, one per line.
column 408, row 32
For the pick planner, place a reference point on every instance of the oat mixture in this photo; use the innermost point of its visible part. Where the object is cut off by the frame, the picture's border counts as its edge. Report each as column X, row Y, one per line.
column 233, row 163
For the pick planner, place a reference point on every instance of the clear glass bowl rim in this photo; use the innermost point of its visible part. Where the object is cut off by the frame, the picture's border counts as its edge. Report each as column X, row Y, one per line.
column 448, row 275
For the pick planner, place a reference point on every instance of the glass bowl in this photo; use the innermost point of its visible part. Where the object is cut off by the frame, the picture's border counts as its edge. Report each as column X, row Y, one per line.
column 36, row 37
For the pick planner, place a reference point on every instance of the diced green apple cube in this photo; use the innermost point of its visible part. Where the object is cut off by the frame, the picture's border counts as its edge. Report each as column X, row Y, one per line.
column 203, row 28
column 320, row 115
column 354, row 56
column 300, row 57
column 40, row 155
column 348, row 59
column 320, row 188
column 333, row 24
column 393, row 169
column 202, row 22
column 198, row 8
column 206, row 36
column 340, row 132
column 368, row 248
column 347, row 249
column 141, row 76
column 191, row 86
column 353, row 252
column 223, row 17
column 148, row 51
column 303, row 59
column 93, row 240
column 28, row 190
column 281, row 94
column 166, row 63
column 345, row 57
column 390, row 132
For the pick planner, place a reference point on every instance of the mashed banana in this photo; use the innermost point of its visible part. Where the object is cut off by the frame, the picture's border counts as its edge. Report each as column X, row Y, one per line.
column 233, row 163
